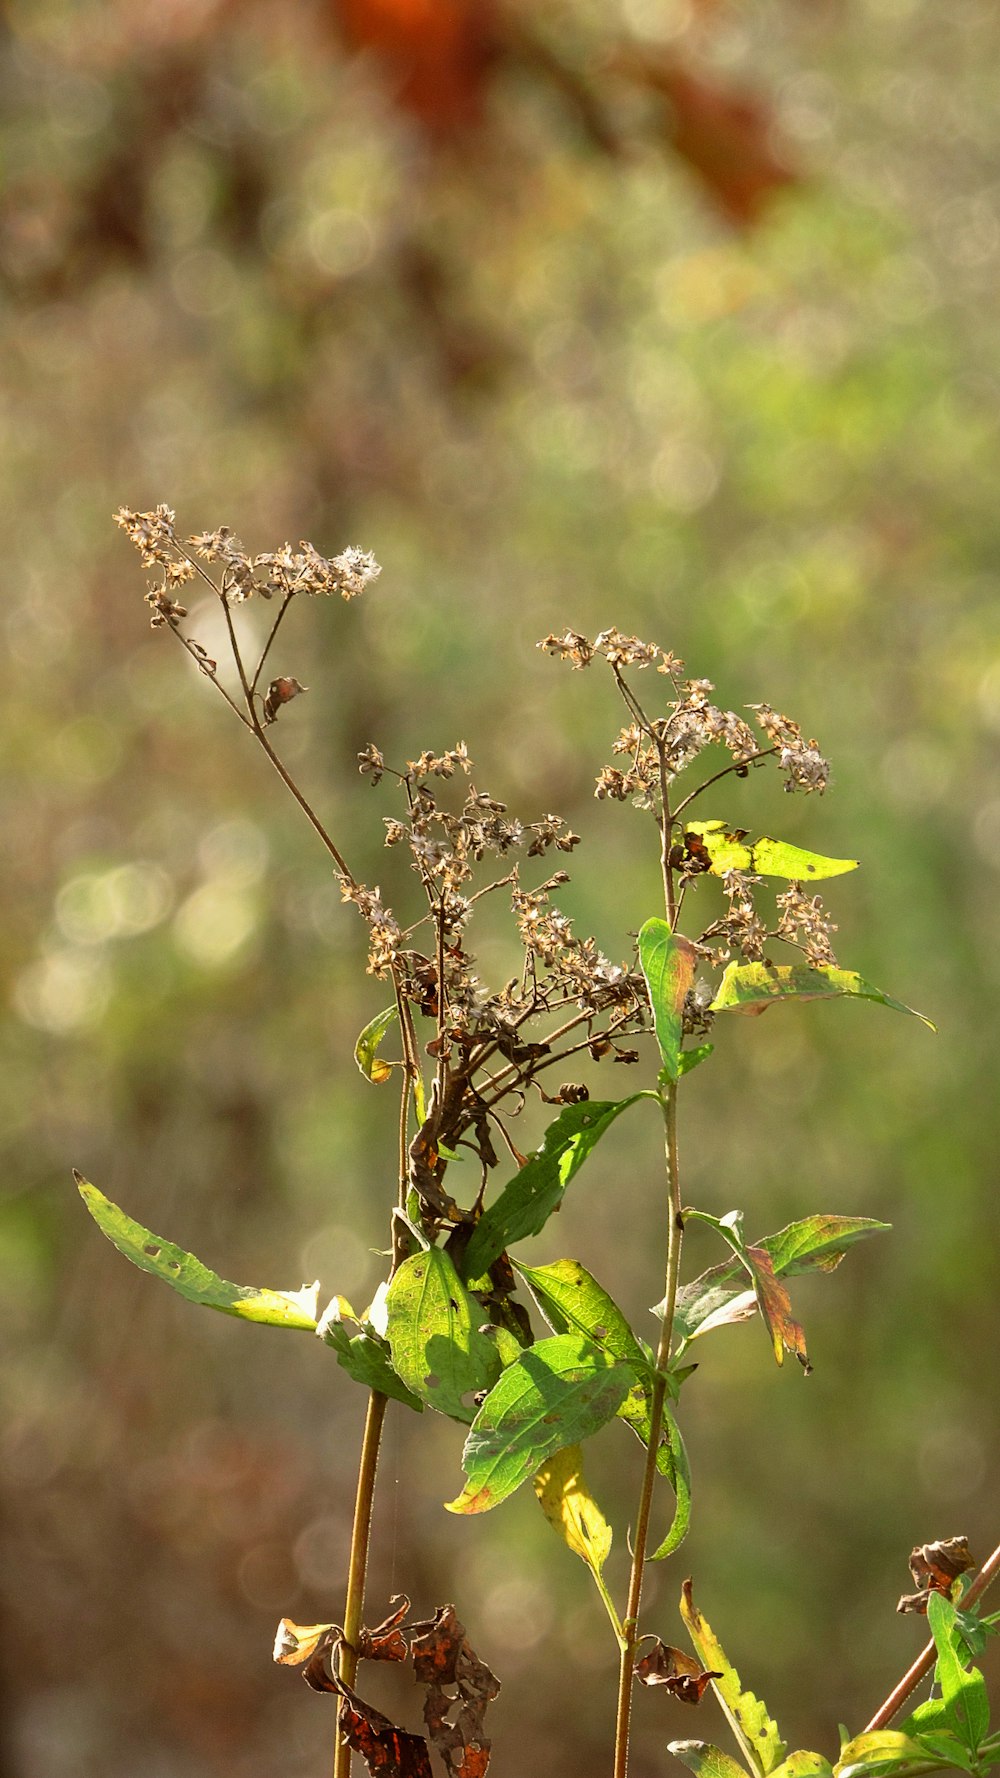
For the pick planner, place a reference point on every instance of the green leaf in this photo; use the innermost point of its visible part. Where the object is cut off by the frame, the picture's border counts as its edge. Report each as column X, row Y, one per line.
column 751, row 987
column 705, row 1760
column 765, row 858
column 692, row 1058
column 557, row 1393
column 880, row 1751
column 668, row 964
column 572, row 1301
column 816, row 1243
column 433, row 1334
column 571, row 1509
column 367, row 1047
column 528, row 1200
column 186, row 1274
column 748, row 1718
column 773, row 1300
column 365, row 1358
column 676, row 1468
column 803, row 1765
column 963, row 1689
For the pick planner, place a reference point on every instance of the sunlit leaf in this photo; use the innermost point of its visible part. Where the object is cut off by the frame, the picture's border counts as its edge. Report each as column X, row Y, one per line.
column 878, row 1751
column 803, row 1765
column 368, row 1045
column 528, row 1200
column 572, row 1301
column 748, row 1717
column 190, row 1278
column 433, row 1332
column 727, row 850
column 668, row 964
column 776, row 1309
column 816, row 1243
column 752, row 987
column 705, row 1760
column 571, row 1509
column 963, row 1689
column 557, row 1393
column 693, row 1058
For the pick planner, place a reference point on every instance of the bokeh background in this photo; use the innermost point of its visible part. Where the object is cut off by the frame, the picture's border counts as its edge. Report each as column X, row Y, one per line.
column 670, row 314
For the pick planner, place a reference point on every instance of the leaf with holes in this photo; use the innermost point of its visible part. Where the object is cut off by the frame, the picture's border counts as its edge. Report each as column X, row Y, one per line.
column 557, row 1393
column 754, row 1728
column 668, row 964
column 753, row 987
column 433, row 1333
column 528, row 1200
column 190, row 1278
column 728, row 850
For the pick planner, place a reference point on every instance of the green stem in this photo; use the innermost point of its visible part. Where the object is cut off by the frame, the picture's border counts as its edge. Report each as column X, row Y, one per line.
column 358, row 1565
column 641, row 1537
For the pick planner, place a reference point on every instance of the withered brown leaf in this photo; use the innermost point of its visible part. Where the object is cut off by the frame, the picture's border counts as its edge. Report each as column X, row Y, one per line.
column 935, row 1567
column 680, row 1673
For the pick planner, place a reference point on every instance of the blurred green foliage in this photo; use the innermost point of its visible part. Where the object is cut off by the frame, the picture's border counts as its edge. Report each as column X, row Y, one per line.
column 548, row 384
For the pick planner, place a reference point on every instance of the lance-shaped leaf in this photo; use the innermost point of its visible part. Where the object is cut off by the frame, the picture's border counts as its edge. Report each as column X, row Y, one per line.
column 572, row 1301
column 557, row 1393
column 705, row 1760
column 816, row 1243
column 752, row 987
column 433, row 1332
column 879, row 1752
column 725, row 850
column 748, row 1717
column 963, row 1689
column 370, row 1042
column 668, row 964
column 528, row 1200
column 573, row 1512
column 190, row 1278
column 364, row 1356
column 672, row 1461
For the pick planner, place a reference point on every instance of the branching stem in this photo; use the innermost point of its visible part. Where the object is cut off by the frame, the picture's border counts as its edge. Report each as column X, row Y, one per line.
column 925, row 1660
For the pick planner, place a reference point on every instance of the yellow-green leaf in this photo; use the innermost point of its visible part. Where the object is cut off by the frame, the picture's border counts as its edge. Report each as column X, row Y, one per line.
column 729, row 850
column 749, row 1719
column 668, row 964
column 190, row 1278
column 751, row 987
column 881, row 1751
column 571, row 1509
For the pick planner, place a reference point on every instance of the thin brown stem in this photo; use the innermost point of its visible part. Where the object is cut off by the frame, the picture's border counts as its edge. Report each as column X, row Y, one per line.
column 641, row 1535
column 737, row 766
column 666, row 829
column 925, row 1660
column 358, row 1564
column 199, row 662
column 265, row 651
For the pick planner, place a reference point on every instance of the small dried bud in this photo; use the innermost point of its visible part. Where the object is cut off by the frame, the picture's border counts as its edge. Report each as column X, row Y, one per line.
column 370, row 760
column 281, row 691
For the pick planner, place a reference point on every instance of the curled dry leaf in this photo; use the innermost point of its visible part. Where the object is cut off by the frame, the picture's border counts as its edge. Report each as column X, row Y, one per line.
column 459, row 1688
column 387, row 1641
column 296, row 1643
column 387, row 1751
column 935, row 1567
column 681, row 1675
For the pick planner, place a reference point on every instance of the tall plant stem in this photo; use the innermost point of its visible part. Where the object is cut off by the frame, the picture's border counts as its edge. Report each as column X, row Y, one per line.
column 358, row 1566
column 925, row 1660
column 658, row 1393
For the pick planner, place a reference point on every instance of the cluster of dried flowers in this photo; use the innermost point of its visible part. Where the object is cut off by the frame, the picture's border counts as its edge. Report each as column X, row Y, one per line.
column 491, row 1045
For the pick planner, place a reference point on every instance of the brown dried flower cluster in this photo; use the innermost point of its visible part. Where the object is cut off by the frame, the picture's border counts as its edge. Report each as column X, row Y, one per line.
column 280, row 572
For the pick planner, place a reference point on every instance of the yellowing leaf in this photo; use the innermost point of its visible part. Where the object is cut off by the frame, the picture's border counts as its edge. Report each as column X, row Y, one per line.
column 748, row 1717
column 190, row 1278
column 725, row 850
column 751, row 987
column 367, row 1047
column 571, row 1509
